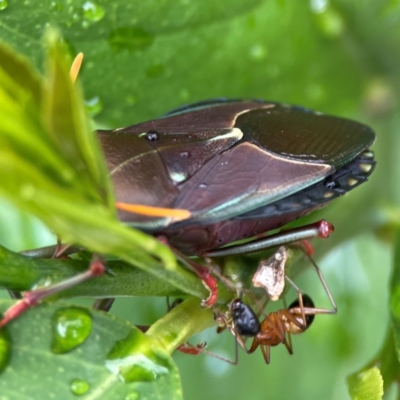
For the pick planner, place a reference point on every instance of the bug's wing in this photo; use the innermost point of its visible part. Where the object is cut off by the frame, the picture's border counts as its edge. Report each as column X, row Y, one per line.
column 284, row 150
column 242, row 179
column 222, row 159
column 300, row 134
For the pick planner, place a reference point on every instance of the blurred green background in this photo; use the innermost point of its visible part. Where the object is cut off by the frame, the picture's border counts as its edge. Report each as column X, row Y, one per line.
column 340, row 57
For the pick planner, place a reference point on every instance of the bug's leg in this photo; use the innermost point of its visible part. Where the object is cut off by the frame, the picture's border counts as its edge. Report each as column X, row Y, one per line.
column 31, row 298
column 204, row 275
column 236, row 288
column 188, row 348
column 49, row 251
column 103, row 304
column 14, row 295
column 321, row 229
column 61, row 249
column 192, row 350
column 45, row 252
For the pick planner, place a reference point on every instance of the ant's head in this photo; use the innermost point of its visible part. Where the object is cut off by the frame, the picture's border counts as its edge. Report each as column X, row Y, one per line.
column 244, row 318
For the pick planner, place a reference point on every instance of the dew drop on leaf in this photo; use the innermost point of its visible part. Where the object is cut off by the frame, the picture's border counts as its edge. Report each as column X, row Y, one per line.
column 92, row 11
column 71, row 326
column 134, row 360
column 3, row 4
column 5, row 348
column 79, row 386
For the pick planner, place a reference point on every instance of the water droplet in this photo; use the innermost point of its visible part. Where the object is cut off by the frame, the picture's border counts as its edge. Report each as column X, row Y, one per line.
column 71, row 326
column 94, row 106
column 152, row 136
column 3, row 4
column 42, row 282
column 5, row 348
column 134, row 360
column 79, row 386
column 184, row 154
column 203, row 186
column 92, row 11
column 131, row 39
column 258, row 52
column 132, row 396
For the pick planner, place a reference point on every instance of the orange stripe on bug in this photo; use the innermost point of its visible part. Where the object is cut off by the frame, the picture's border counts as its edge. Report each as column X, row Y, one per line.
column 176, row 214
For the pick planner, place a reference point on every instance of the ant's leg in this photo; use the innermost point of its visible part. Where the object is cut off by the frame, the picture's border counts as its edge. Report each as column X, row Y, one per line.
column 306, row 251
column 288, row 343
column 266, row 351
column 300, row 298
column 312, row 310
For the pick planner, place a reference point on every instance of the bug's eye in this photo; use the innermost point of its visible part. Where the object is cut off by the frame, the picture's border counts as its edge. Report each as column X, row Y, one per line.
column 152, row 136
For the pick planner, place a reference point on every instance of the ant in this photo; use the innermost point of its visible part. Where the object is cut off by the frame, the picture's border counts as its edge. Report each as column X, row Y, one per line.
column 277, row 327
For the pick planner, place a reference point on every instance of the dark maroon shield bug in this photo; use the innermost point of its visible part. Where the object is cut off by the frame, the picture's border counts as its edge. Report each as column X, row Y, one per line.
column 240, row 167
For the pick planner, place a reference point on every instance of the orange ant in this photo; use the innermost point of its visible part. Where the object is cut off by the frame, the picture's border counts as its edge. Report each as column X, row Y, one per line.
column 277, row 327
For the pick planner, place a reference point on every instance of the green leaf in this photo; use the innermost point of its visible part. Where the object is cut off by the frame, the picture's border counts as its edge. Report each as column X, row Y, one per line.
column 395, row 296
column 51, row 167
column 134, row 51
column 390, row 365
column 86, row 368
column 336, row 56
column 68, row 126
column 366, row 385
column 21, row 273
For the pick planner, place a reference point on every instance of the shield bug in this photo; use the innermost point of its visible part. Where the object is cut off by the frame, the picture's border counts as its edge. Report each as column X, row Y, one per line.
column 209, row 174
column 238, row 168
